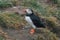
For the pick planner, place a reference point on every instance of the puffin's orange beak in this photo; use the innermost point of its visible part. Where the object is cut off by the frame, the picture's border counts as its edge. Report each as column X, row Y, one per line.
column 23, row 11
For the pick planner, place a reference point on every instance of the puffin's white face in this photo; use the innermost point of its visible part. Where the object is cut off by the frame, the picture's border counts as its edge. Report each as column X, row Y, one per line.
column 28, row 11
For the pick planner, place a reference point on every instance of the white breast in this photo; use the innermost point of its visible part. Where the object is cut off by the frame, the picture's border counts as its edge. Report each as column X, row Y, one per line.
column 29, row 21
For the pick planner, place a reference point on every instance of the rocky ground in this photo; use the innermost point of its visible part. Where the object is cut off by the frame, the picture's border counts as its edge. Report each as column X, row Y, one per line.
column 21, row 34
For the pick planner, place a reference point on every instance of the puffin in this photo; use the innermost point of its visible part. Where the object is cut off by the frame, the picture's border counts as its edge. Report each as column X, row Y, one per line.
column 33, row 20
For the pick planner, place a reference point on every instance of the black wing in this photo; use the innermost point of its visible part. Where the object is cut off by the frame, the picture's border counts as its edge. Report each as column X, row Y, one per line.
column 37, row 22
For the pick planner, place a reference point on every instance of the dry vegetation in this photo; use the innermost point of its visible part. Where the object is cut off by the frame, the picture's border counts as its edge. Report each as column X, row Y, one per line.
column 49, row 13
column 46, row 35
column 11, row 19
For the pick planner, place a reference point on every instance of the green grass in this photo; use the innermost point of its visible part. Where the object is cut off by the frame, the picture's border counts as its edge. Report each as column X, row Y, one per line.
column 11, row 20
column 34, row 5
column 8, row 3
column 1, row 38
column 5, row 3
column 45, row 11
